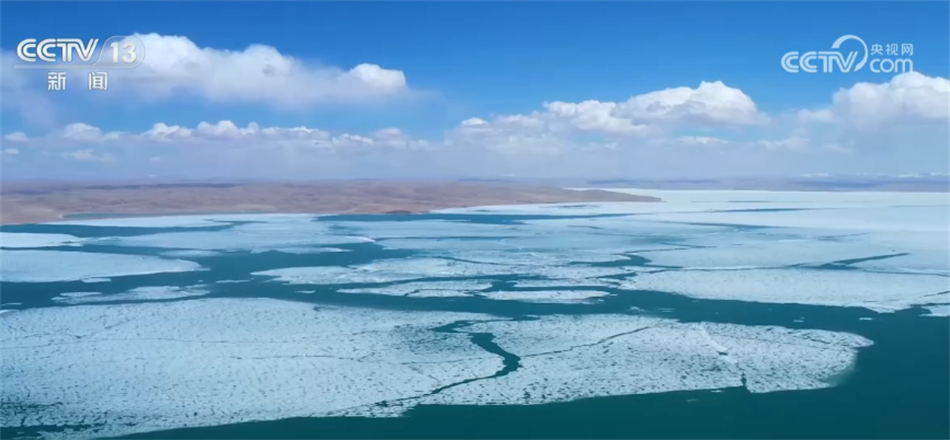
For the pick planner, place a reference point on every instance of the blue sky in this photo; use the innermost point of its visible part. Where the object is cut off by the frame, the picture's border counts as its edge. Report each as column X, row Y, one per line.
column 437, row 64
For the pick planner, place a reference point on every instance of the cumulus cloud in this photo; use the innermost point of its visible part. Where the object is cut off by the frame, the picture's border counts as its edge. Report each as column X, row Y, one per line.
column 85, row 132
column 701, row 140
column 176, row 66
column 907, row 97
column 793, row 143
column 17, row 136
column 222, row 134
column 596, row 116
column 88, row 155
column 595, row 124
column 710, row 103
column 688, row 127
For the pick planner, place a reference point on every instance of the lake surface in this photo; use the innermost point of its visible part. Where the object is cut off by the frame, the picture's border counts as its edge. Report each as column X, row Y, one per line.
column 715, row 314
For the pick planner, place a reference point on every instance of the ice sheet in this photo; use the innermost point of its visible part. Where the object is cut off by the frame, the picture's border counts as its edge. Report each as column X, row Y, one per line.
column 428, row 229
column 404, row 269
column 881, row 292
column 222, row 361
column 187, row 221
column 547, row 296
column 96, row 280
column 32, row 240
column 825, row 198
column 580, row 282
column 909, row 218
column 299, row 250
column 431, row 289
column 731, row 252
column 149, row 293
column 287, row 234
column 28, row 266
column 571, row 357
column 940, row 310
column 219, row 361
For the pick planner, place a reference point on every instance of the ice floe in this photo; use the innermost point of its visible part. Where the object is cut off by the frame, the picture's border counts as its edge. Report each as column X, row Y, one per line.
column 300, row 250
column 910, row 218
column 941, row 310
column 190, row 253
column 34, row 240
column 547, row 296
column 35, row 266
column 221, row 361
column 178, row 221
column 431, row 289
column 578, row 282
column 428, row 229
column 186, row 221
column 733, row 253
column 96, row 280
column 384, row 271
column 404, row 269
column 572, row 357
column 824, row 198
column 73, row 295
column 882, row 292
column 149, row 293
column 244, row 237
column 537, row 257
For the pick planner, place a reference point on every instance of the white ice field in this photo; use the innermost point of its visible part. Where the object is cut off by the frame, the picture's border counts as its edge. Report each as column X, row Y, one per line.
column 169, row 358
column 225, row 361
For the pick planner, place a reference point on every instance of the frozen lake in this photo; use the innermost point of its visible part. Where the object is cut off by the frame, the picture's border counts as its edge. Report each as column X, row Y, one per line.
column 113, row 327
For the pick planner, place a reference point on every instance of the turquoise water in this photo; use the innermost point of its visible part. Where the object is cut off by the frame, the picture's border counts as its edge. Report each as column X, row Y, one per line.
column 898, row 387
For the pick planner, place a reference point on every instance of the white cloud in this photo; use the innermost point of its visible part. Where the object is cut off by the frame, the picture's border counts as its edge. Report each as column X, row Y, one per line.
column 559, row 125
column 88, row 155
column 675, row 131
column 793, row 143
column 907, row 97
column 222, row 134
column 473, row 122
column 711, row 103
column 596, row 116
column 84, row 132
column 701, row 140
column 823, row 116
column 174, row 65
column 161, row 131
column 11, row 151
column 17, row 136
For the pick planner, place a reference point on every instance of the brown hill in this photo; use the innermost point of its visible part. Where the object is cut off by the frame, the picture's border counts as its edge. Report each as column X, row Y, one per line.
column 35, row 202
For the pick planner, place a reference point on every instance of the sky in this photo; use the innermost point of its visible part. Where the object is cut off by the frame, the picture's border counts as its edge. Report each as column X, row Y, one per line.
column 311, row 90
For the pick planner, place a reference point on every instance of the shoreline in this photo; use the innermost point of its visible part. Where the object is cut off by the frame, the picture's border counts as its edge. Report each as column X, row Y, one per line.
column 50, row 203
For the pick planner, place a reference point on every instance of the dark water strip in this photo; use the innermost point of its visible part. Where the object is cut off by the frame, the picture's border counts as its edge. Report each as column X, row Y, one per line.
column 485, row 341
